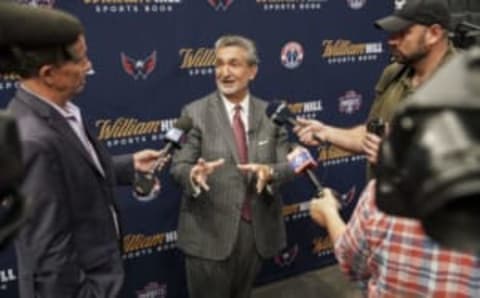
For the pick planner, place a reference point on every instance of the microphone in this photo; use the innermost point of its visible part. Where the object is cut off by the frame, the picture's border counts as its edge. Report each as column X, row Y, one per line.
column 301, row 161
column 144, row 182
column 279, row 113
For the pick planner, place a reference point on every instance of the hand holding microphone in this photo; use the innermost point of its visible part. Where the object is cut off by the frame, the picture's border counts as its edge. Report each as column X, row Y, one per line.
column 310, row 132
column 145, row 177
column 264, row 174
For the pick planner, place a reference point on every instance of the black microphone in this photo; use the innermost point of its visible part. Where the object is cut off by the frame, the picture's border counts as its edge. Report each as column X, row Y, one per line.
column 279, row 113
column 145, row 181
column 301, row 161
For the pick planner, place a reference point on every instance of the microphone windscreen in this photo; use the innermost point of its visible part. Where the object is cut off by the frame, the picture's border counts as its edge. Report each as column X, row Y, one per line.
column 28, row 26
column 279, row 113
column 184, row 123
column 272, row 107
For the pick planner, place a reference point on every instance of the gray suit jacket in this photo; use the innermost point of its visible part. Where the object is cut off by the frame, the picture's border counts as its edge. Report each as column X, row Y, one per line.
column 68, row 246
column 208, row 223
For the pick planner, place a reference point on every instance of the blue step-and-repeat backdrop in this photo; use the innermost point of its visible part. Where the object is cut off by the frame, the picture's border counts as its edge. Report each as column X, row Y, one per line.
column 151, row 57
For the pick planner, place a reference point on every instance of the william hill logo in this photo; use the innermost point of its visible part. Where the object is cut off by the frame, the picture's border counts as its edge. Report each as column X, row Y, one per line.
column 332, row 155
column 345, row 51
column 306, row 109
column 136, row 245
column 125, row 131
column 322, row 246
column 133, row 6
column 8, row 81
column 299, row 5
column 199, row 61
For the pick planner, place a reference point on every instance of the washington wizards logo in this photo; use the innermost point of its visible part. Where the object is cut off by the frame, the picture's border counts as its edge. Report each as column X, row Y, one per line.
column 287, row 257
column 220, row 4
column 292, row 55
column 139, row 68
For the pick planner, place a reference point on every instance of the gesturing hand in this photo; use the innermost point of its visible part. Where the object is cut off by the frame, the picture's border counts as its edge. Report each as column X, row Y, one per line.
column 202, row 169
column 263, row 173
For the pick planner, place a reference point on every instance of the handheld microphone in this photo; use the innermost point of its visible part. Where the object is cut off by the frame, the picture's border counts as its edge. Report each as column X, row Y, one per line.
column 279, row 113
column 144, row 182
column 301, row 161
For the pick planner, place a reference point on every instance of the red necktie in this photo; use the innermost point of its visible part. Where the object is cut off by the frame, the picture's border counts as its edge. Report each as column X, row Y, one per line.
column 242, row 150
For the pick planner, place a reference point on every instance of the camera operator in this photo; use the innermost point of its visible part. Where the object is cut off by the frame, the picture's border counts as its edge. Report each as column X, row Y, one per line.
column 430, row 172
column 418, row 38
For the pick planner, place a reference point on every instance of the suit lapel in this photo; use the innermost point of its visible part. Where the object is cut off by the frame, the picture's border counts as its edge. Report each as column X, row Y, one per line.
column 255, row 116
column 223, row 123
column 57, row 123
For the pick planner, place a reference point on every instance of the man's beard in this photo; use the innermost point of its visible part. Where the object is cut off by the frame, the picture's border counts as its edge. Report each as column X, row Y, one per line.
column 412, row 58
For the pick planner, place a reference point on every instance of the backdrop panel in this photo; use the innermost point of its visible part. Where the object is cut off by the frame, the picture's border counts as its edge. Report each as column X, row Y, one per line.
column 322, row 56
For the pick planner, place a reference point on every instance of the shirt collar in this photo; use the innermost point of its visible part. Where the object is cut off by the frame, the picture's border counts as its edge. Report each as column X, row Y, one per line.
column 244, row 103
column 68, row 111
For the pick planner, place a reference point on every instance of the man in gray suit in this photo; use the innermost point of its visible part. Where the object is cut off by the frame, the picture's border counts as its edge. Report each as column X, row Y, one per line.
column 230, row 168
column 69, row 244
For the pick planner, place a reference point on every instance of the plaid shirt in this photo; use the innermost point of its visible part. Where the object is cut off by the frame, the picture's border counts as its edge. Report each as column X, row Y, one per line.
column 392, row 257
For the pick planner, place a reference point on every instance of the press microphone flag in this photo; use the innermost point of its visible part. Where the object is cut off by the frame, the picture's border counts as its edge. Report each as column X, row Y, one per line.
column 301, row 161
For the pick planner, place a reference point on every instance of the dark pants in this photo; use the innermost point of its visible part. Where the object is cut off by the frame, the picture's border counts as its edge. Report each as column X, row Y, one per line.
column 229, row 278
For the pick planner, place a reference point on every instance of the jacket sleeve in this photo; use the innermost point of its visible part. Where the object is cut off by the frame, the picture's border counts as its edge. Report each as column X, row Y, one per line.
column 183, row 160
column 45, row 253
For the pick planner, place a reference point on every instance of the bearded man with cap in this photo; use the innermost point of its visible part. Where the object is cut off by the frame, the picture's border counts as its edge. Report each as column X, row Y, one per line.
column 414, row 231
column 418, row 38
column 69, row 243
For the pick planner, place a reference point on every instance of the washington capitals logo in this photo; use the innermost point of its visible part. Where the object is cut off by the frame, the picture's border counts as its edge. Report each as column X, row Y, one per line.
column 347, row 198
column 139, row 68
column 220, row 4
column 48, row 3
column 287, row 257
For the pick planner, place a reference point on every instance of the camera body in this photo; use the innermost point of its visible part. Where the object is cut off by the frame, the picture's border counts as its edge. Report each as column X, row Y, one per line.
column 376, row 126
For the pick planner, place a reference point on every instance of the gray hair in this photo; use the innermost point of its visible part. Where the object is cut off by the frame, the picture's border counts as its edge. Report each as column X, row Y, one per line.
column 242, row 42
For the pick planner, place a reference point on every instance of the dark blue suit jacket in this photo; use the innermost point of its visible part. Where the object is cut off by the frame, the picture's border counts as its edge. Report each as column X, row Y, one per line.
column 68, row 246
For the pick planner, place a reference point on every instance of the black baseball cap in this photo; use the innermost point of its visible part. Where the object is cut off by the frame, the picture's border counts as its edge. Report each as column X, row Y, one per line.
column 409, row 12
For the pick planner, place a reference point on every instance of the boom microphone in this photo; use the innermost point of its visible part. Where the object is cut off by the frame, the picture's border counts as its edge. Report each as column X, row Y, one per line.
column 145, row 181
column 301, row 161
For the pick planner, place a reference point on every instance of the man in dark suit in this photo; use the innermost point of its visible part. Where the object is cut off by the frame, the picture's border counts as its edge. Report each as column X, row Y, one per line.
column 69, row 244
column 230, row 169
